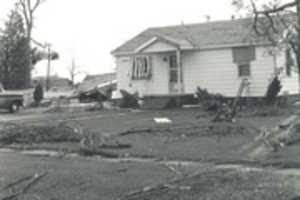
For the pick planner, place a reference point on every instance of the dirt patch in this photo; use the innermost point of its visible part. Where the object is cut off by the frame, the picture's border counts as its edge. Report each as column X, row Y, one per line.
column 221, row 184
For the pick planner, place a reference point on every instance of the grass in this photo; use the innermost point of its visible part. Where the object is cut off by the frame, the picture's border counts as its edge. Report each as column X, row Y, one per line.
column 223, row 185
column 191, row 136
column 187, row 138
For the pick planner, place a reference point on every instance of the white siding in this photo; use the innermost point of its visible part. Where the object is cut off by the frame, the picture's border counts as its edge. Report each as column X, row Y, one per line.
column 215, row 71
column 157, row 85
column 210, row 69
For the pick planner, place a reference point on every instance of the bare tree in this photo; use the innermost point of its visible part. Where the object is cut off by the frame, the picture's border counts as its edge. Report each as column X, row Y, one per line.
column 74, row 71
column 277, row 22
column 27, row 9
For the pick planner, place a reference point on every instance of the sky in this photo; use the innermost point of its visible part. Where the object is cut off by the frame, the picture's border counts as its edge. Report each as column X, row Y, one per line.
column 88, row 30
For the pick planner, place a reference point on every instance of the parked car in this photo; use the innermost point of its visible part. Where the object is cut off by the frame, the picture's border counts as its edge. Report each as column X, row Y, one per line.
column 11, row 101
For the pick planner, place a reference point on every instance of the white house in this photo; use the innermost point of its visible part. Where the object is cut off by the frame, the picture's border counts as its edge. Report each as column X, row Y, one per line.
column 174, row 60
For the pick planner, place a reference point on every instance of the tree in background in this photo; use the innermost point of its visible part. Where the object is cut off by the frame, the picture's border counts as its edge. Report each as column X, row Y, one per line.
column 27, row 9
column 13, row 53
column 277, row 22
column 74, row 71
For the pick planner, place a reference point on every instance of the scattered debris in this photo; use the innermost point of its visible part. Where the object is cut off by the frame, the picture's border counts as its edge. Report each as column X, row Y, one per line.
column 227, row 110
column 219, row 184
column 162, row 121
column 287, row 122
column 194, row 129
column 91, row 143
column 285, row 134
column 27, row 134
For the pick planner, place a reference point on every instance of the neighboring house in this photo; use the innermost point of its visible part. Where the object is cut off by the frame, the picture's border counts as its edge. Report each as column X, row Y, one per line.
column 217, row 55
column 97, row 87
column 54, row 81
column 91, row 82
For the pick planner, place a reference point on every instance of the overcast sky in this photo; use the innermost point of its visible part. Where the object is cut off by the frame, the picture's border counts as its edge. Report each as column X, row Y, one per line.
column 89, row 29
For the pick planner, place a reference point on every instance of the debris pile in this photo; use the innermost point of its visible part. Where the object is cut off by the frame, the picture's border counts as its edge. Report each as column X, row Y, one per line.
column 28, row 134
column 219, row 184
column 91, row 143
column 194, row 130
column 286, row 134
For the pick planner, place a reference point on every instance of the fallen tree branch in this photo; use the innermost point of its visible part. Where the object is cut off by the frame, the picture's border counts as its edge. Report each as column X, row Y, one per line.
column 277, row 9
column 35, row 180
column 16, row 182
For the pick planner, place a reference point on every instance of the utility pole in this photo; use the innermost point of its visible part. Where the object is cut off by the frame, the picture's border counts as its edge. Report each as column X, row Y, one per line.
column 48, row 46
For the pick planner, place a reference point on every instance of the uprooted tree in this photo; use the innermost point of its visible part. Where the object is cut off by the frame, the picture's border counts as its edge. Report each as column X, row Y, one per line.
column 277, row 22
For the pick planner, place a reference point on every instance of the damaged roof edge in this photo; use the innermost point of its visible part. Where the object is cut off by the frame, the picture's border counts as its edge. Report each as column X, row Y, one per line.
column 203, row 48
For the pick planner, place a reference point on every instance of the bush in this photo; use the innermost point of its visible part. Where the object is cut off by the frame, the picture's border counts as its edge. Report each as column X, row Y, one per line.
column 38, row 94
column 273, row 90
column 210, row 102
column 129, row 100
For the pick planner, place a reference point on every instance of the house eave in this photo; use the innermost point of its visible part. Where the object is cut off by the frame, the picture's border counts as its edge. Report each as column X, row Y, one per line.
column 202, row 48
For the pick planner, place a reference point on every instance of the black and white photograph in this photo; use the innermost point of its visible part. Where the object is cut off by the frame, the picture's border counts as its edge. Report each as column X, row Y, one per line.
column 150, row 100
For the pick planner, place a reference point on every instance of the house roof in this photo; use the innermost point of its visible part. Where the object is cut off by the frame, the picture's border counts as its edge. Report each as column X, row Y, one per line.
column 93, row 81
column 199, row 36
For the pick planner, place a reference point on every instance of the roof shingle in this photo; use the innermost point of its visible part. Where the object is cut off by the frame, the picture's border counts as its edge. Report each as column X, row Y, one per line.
column 218, row 33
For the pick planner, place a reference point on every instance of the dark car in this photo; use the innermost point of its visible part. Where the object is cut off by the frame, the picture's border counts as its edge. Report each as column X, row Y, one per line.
column 11, row 101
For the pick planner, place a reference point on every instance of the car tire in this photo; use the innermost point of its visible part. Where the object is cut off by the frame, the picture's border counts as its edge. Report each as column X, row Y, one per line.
column 14, row 107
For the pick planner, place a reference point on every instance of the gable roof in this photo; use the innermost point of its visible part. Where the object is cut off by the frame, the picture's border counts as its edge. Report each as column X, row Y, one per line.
column 200, row 36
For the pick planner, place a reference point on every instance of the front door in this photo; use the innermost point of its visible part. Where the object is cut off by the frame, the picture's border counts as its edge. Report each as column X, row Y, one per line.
column 173, row 75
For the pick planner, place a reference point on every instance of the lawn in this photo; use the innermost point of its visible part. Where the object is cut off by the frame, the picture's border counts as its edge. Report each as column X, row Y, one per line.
column 132, row 133
column 224, row 185
column 190, row 136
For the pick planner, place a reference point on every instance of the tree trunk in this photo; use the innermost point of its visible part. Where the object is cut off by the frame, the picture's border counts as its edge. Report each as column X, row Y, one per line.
column 298, row 43
column 29, row 68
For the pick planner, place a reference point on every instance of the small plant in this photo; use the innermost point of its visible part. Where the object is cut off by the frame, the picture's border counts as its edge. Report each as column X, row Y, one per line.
column 129, row 100
column 38, row 94
column 210, row 102
column 273, row 90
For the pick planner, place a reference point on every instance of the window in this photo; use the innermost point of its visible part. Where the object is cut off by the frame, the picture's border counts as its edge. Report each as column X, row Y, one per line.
column 243, row 56
column 173, row 69
column 244, row 69
column 141, row 67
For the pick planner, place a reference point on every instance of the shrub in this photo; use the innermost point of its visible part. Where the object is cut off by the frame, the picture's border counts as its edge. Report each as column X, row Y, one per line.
column 38, row 94
column 129, row 100
column 273, row 90
column 210, row 102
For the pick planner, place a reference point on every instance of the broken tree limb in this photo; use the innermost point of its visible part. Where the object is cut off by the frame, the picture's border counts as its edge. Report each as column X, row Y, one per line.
column 16, row 182
column 36, row 178
column 173, row 169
